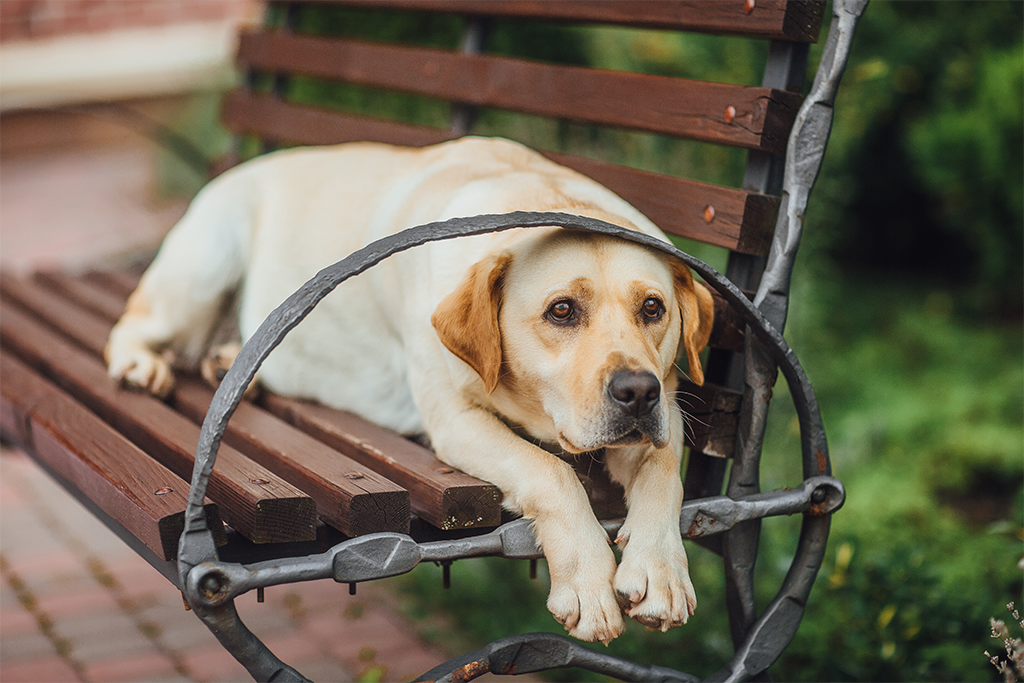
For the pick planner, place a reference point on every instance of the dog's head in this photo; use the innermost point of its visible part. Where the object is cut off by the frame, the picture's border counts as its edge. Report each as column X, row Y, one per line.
column 576, row 335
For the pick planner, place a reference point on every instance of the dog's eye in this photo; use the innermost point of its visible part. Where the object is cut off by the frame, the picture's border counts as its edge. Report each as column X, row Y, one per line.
column 653, row 309
column 562, row 312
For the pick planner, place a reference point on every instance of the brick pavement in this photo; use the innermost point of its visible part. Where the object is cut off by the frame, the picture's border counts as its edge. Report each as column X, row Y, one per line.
column 75, row 603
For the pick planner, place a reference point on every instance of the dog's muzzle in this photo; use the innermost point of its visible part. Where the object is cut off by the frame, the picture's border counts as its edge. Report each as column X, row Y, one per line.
column 634, row 398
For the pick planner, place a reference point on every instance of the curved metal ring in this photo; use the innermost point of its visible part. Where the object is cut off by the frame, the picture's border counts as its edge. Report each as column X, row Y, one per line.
column 196, row 545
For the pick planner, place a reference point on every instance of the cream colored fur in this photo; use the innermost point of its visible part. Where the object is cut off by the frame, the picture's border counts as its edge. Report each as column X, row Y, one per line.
column 461, row 339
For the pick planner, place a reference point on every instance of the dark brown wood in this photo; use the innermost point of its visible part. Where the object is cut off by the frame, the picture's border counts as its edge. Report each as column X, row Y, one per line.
column 137, row 491
column 794, row 20
column 729, row 328
column 254, row 501
column 445, row 498
column 368, row 504
column 123, row 280
column 88, row 293
column 712, row 417
column 267, row 117
column 350, row 497
column 719, row 216
column 752, row 117
column 441, row 495
column 737, row 220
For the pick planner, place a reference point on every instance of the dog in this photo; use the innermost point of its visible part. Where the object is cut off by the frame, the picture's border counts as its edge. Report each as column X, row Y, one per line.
column 490, row 344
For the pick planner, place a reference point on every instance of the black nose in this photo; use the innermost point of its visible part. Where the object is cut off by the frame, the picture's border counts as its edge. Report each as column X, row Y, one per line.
column 636, row 392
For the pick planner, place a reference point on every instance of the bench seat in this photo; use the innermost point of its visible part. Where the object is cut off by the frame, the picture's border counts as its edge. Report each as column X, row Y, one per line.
column 289, row 471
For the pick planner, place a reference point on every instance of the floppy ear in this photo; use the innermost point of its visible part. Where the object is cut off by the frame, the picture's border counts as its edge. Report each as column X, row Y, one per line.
column 698, row 313
column 466, row 320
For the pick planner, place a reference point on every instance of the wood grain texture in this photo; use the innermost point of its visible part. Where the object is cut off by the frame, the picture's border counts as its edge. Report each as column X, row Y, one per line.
column 254, row 501
column 367, row 505
column 352, row 498
column 737, row 220
column 137, row 491
column 751, row 117
column 443, row 496
column 447, row 499
column 795, row 20
column 712, row 417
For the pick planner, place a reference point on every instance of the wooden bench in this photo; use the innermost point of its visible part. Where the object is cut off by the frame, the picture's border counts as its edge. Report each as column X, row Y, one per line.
column 295, row 479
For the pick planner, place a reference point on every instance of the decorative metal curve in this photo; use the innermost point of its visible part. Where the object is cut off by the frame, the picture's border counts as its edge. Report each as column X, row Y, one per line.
column 196, row 545
column 805, row 151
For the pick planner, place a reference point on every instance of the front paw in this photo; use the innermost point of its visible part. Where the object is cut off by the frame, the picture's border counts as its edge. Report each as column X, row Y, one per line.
column 653, row 583
column 143, row 369
column 589, row 612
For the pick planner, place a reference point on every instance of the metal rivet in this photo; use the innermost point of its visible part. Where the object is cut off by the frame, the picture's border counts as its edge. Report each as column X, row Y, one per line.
column 259, row 482
column 353, row 475
column 444, row 470
column 819, row 495
column 748, row 6
column 163, row 491
column 709, row 213
column 730, row 113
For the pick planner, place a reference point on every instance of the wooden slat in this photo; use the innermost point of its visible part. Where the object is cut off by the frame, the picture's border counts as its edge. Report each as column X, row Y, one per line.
column 712, row 417
column 137, row 491
column 743, row 116
column 795, row 20
column 446, row 498
column 254, row 501
column 737, row 220
column 287, row 123
column 741, row 221
column 442, row 495
column 351, row 498
column 355, row 506
column 86, row 292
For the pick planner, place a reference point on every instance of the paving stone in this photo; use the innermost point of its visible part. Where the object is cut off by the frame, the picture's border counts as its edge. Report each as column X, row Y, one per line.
column 137, row 668
column 48, row 670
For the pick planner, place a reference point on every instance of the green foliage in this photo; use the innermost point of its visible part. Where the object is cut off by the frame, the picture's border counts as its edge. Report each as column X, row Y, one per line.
column 925, row 169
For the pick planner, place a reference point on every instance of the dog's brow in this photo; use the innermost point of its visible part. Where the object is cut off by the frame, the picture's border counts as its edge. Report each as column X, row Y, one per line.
column 578, row 286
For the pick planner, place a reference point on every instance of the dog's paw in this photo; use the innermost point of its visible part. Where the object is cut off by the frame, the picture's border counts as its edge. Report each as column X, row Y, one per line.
column 653, row 584
column 143, row 369
column 589, row 613
column 218, row 361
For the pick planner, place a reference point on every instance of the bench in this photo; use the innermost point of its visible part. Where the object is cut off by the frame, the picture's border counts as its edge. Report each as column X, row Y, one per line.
column 301, row 491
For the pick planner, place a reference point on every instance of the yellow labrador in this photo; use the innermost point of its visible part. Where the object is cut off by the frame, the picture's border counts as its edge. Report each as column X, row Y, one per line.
column 489, row 344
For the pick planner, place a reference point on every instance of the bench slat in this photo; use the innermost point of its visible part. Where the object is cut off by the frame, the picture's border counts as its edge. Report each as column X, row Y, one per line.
column 86, row 292
column 141, row 494
column 282, row 122
column 351, row 498
column 742, row 116
column 446, row 500
column 795, row 20
column 738, row 220
column 370, row 504
column 267, row 512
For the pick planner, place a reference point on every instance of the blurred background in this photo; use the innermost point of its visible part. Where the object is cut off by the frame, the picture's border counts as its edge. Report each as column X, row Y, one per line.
column 908, row 307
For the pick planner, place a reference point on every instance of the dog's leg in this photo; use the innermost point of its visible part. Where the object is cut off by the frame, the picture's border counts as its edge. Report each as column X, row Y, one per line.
column 653, row 579
column 546, row 490
column 179, row 298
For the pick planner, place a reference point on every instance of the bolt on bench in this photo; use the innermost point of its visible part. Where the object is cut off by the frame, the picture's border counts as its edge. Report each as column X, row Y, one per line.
column 302, row 492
